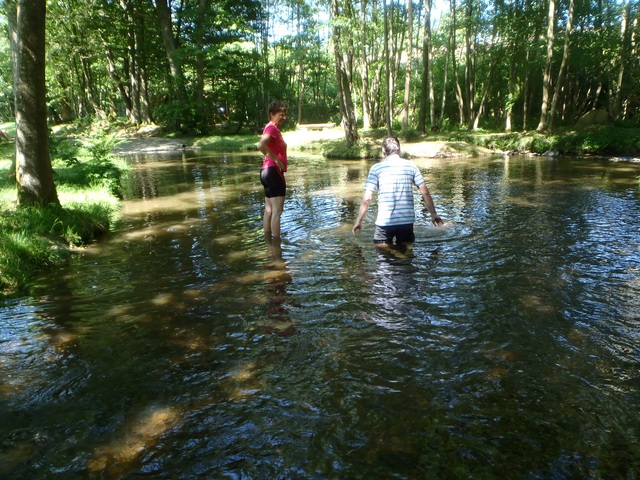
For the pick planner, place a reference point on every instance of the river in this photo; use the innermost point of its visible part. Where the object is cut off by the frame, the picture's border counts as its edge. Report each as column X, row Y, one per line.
column 502, row 345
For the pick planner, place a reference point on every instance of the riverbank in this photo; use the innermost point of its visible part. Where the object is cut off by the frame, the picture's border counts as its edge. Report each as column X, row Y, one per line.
column 619, row 143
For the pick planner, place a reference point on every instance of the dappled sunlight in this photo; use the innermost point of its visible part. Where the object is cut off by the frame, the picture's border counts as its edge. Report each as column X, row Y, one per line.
column 190, row 344
column 137, row 437
column 242, row 382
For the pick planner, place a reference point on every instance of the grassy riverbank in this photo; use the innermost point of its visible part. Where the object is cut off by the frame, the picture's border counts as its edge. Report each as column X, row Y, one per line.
column 597, row 140
column 36, row 240
column 87, row 177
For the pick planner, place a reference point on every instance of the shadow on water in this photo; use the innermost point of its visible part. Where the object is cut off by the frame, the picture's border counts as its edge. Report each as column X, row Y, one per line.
column 188, row 345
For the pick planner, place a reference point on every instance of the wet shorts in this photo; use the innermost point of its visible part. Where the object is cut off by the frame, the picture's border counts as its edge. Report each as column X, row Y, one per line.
column 402, row 234
column 273, row 182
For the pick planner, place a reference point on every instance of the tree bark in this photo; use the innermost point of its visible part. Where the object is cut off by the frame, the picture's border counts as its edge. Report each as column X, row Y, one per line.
column 347, row 109
column 563, row 65
column 34, row 174
column 546, row 89
column 364, row 71
column 407, row 75
column 164, row 17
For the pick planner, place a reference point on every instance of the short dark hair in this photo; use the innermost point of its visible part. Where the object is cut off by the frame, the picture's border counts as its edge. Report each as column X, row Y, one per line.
column 277, row 106
column 391, row 145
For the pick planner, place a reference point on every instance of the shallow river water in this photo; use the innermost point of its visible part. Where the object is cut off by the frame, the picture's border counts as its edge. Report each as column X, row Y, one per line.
column 502, row 345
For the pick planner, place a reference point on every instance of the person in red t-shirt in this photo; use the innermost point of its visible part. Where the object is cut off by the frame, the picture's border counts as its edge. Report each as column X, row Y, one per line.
column 274, row 148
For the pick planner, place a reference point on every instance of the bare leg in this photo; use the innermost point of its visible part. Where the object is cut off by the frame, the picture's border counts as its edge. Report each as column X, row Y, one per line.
column 266, row 219
column 277, row 207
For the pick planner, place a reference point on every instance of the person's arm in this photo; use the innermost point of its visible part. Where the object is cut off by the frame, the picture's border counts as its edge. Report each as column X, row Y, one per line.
column 263, row 146
column 364, row 206
column 428, row 201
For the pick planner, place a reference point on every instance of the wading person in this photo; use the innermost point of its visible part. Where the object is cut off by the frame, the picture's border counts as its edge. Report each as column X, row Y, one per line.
column 274, row 165
column 394, row 178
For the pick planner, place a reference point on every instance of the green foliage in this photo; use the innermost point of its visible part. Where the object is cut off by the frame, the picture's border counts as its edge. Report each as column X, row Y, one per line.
column 32, row 239
column 99, row 169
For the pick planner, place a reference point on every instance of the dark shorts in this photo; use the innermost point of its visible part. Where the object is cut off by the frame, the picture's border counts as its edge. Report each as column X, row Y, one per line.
column 273, row 182
column 402, row 234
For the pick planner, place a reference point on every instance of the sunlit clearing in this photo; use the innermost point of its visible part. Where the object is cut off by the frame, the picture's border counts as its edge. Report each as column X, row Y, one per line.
column 139, row 436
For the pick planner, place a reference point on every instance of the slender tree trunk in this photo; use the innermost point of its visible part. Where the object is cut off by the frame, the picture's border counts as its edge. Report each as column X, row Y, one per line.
column 546, row 89
column 347, row 109
column 445, row 82
column 470, row 87
column 530, row 59
column 387, row 71
column 175, row 67
column 300, row 62
column 34, row 174
column 407, row 74
column 364, row 70
column 426, row 60
column 458, row 88
column 563, row 65
column 624, row 55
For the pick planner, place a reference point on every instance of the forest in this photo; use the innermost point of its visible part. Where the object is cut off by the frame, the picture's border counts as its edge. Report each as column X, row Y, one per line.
column 207, row 66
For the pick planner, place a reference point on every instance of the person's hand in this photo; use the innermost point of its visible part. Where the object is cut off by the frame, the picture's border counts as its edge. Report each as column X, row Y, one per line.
column 437, row 221
column 356, row 228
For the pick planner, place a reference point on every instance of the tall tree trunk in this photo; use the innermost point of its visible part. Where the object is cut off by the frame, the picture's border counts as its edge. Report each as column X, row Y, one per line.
column 407, row 74
column 300, row 61
column 364, row 70
column 349, row 123
column 470, row 81
column 387, row 70
column 530, row 59
column 445, row 82
column 624, row 56
column 563, row 65
column 34, row 174
column 458, row 88
column 426, row 61
column 546, row 88
column 170, row 46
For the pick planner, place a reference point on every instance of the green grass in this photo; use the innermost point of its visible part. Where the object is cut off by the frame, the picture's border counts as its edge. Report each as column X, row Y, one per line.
column 33, row 239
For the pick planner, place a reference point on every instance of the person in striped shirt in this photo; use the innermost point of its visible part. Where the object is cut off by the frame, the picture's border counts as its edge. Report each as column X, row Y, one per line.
column 394, row 179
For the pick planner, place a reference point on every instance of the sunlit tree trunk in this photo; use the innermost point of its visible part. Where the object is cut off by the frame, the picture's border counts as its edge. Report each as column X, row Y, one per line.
column 364, row 69
column 426, row 66
column 470, row 85
column 347, row 109
column 563, row 65
column 387, row 69
column 456, row 78
column 164, row 18
column 546, row 88
column 34, row 174
column 624, row 56
column 407, row 74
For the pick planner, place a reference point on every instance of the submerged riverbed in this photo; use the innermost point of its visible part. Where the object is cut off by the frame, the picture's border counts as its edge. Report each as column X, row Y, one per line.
column 502, row 345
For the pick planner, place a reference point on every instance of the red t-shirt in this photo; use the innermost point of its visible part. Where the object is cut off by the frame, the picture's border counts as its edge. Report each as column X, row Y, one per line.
column 277, row 146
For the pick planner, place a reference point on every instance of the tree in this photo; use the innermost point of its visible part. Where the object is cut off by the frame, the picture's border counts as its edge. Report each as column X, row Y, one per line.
column 34, row 173
column 343, row 78
column 546, row 88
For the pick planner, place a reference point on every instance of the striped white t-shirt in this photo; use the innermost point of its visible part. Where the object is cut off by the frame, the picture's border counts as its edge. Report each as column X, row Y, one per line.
column 394, row 179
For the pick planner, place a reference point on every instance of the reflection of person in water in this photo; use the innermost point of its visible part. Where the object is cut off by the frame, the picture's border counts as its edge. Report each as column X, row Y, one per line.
column 278, row 299
column 394, row 179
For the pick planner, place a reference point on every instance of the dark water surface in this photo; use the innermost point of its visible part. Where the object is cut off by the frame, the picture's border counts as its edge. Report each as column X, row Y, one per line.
column 503, row 345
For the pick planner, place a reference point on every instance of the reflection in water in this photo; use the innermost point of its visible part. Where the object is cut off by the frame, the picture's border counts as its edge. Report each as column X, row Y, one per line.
column 278, row 301
column 188, row 346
